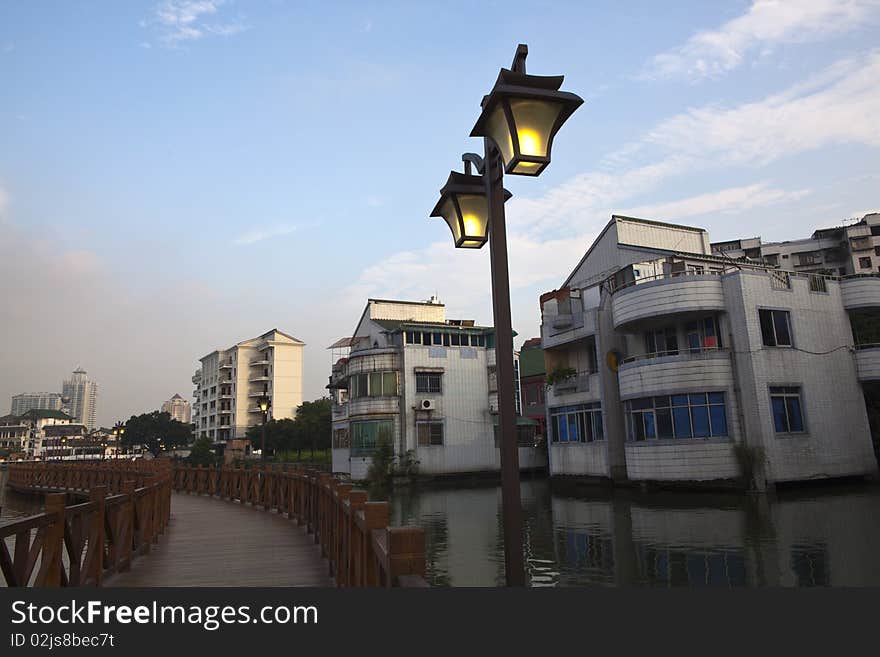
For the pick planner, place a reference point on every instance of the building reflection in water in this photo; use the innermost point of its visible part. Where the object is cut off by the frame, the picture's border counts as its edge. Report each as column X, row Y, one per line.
column 828, row 536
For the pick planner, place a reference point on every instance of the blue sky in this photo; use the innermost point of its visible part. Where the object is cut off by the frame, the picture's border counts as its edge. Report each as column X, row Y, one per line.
column 179, row 175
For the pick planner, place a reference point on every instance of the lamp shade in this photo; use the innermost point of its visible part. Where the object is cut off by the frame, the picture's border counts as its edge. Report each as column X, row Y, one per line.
column 263, row 403
column 521, row 115
column 464, row 206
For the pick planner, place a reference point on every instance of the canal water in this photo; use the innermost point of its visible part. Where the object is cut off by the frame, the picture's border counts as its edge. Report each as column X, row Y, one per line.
column 822, row 536
column 818, row 536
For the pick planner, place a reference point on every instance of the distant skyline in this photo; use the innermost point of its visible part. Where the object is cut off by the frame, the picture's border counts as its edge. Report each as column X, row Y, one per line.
column 176, row 176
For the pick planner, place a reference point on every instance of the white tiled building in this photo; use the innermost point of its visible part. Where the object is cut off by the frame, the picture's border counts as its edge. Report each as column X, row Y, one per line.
column 178, row 408
column 230, row 381
column 666, row 356
column 424, row 383
column 81, row 398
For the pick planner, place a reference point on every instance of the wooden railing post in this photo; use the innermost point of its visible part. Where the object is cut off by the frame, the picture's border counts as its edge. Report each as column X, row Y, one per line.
column 53, row 543
column 94, row 561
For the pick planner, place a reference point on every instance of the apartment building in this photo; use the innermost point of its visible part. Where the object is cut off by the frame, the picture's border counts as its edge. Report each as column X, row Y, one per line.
column 31, row 433
column 661, row 356
column 25, row 401
column 532, row 379
column 81, row 394
column 229, row 382
column 840, row 250
column 178, row 408
column 424, row 383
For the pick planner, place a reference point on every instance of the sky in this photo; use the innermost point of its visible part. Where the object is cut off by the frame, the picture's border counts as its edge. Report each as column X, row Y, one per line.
column 179, row 175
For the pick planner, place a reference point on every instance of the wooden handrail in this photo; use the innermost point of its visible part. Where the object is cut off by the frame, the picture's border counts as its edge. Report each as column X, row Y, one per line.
column 353, row 534
column 77, row 545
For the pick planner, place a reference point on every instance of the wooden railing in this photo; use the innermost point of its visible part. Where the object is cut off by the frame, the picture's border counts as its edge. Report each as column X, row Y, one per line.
column 128, row 507
column 362, row 551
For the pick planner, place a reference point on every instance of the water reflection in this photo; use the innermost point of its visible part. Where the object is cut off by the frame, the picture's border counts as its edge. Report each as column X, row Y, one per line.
column 827, row 536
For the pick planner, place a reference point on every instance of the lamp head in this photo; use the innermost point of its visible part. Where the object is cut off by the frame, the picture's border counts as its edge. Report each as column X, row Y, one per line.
column 522, row 115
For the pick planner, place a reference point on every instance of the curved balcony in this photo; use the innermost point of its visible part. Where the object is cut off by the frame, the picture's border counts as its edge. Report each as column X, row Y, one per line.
column 860, row 291
column 667, row 295
column 259, row 379
column 659, row 374
column 868, row 362
column 373, row 406
column 373, row 360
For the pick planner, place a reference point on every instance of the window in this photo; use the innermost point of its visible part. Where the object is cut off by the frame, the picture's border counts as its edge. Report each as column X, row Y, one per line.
column 775, row 327
column 429, row 382
column 577, row 424
column 429, row 433
column 817, row 283
column 695, row 415
column 663, row 342
column 366, row 435
column 456, row 339
column 702, row 335
column 876, row 248
column 864, row 263
column 374, row 384
column 340, row 439
column 860, row 243
column 785, row 402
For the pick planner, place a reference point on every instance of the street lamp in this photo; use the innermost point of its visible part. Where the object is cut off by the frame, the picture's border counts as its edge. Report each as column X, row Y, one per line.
column 264, row 404
column 118, row 430
column 519, row 119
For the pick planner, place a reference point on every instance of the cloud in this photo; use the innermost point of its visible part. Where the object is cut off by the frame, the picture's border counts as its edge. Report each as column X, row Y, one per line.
column 548, row 234
column 8, row 47
column 725, row 201
column 839, row 105
column 260, row 234
column 185, row 20
column 766, row 24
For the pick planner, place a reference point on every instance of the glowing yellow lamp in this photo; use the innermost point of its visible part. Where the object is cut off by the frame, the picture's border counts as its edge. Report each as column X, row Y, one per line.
column 521, row 116
column 464, row 206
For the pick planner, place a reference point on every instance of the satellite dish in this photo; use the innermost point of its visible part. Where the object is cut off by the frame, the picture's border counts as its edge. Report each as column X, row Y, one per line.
column 612, row 359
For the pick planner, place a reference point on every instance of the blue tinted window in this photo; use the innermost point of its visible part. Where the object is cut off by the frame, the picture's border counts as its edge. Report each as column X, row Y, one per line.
column 698, row 398
column 700, row 416
column 562, row 429
column 682, row 420
column 679, row 400
column 664, row 423
column 573, row 434
column 719, row 420
column 780, row 422
column 650, row 430
column 795, row 419
column 716, row 397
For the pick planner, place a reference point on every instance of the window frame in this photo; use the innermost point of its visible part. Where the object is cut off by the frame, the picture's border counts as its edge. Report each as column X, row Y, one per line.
column 579, row 416
column 786, row 395
column 672, row 413
column 789, row 324
column 428, row 388
column 431, row 424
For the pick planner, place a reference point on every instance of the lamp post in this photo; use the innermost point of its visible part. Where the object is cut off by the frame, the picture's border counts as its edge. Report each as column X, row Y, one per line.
column 264, row 403
column 519, row 119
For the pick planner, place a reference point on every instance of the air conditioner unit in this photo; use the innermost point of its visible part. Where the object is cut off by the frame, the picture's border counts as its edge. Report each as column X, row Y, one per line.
column 427, row 405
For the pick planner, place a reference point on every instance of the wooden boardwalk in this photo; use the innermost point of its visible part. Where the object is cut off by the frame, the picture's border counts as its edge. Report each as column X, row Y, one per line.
column 211, row 542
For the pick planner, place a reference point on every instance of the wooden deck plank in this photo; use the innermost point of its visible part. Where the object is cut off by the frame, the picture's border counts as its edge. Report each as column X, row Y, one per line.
column 211, row 542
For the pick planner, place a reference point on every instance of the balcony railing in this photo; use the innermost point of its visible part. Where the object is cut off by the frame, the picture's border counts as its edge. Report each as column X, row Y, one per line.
column 671, row 352
column 259, row 361
column 259, row 379
column 227, row 365
column 577, row 383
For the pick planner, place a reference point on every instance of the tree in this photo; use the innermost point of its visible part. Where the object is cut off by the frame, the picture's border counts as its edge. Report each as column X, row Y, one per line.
column 313, row 420
column 155, row 429
column 280, row 435
column 202, row 452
